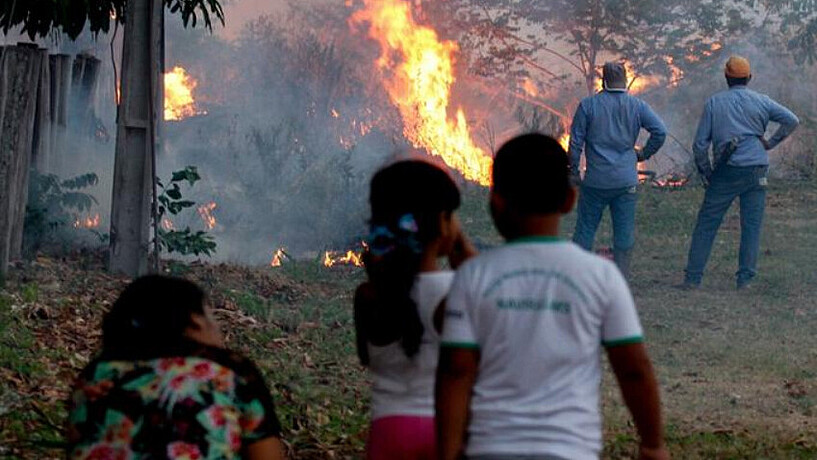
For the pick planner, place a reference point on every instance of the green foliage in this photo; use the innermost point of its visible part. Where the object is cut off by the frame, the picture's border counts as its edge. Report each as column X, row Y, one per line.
column 171, row 201
column 40, row 17
column 53, row 205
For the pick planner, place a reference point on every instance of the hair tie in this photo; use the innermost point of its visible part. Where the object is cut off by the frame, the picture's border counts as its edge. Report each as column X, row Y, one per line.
column 382, row 240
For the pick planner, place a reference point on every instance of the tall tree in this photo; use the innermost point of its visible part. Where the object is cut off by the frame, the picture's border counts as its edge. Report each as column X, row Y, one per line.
column 574, row 37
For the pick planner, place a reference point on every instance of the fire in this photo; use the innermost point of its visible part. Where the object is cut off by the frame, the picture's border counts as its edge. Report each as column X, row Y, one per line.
column 636, row 83
column 179, row 102
column 677, row 73
column 206, row 213
column 530, row 88
column 332, row 258
column 418, row 70
column 278, row 257
column 87, row 222
column 564, row 141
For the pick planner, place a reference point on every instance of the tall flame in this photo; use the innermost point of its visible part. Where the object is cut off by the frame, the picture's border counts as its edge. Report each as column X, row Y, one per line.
column 179, row 103
column 418, row 73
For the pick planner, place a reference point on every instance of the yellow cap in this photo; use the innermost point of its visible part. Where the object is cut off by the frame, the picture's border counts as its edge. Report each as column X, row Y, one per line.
column 738, row 67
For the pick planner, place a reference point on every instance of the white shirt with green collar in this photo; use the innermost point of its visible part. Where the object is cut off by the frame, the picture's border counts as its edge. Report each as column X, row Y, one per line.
column 539, row 310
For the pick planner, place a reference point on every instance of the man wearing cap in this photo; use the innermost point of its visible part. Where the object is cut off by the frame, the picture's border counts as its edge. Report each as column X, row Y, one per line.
column 734, row 122
column 606, row 129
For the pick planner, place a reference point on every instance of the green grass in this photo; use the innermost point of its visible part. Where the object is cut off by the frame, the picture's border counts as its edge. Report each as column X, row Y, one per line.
column 738, row 371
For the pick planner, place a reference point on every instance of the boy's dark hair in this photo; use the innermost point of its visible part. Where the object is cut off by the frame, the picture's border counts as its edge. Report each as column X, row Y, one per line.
column 531, row 172
column 408, row 188
column 731, row 81
column 150, row 317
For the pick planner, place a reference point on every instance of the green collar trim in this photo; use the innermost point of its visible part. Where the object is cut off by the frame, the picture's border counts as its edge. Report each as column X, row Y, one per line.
column 547, row 239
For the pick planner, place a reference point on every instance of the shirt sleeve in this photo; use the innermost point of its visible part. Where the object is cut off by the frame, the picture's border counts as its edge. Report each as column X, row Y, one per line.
column 621, row 325
column 458, row 325
column 257, row 411
column 578, row 134
column 703, row 138
column 653, row 124
column 786, row 118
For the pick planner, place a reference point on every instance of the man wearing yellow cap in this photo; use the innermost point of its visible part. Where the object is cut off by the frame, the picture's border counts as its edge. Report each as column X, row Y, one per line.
column 734, row 122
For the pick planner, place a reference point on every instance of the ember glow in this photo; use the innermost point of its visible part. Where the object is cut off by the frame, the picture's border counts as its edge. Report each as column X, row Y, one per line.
column 167, row 224
column 418, row 73
column 352, row 258
column 179, row 101
column 89, row 222
column 206, row 213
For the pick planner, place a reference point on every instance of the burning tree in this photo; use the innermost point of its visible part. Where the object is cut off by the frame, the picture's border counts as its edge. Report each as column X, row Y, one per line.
column 555, row 39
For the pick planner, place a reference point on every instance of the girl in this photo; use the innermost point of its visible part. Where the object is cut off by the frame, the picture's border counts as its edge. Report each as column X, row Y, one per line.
column 163, row 386
column 398, row 312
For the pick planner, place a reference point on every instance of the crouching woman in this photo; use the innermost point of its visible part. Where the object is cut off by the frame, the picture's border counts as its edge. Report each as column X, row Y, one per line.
column 164, row 386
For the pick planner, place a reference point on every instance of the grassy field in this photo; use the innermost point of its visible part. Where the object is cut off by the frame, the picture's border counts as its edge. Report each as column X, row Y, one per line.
column 738, row 370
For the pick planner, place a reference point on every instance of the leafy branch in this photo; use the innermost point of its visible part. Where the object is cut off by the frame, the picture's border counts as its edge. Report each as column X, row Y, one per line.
column 172, row 202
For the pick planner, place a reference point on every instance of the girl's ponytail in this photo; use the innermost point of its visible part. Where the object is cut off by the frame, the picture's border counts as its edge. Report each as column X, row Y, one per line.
column 407, row 200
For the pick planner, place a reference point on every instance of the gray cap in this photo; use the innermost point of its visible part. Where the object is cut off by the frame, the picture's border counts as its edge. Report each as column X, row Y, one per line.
column 615, row 76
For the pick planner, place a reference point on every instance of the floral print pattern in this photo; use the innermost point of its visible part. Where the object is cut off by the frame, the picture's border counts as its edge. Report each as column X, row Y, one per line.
column 208, row 404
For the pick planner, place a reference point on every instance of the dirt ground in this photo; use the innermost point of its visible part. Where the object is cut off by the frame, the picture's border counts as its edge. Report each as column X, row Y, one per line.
column 738, row 370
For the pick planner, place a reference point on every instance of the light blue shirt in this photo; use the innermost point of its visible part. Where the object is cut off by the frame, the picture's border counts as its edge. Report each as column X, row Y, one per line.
column 742, row 114
column 606, row 128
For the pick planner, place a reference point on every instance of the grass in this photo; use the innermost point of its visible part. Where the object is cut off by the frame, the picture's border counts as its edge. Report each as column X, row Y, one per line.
column 738, row 370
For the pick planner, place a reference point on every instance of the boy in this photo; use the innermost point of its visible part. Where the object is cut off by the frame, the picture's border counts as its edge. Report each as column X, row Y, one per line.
column 520, row 366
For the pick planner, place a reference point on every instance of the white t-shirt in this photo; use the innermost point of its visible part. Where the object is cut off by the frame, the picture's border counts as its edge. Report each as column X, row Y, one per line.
column 403, row 385
column 539, row 310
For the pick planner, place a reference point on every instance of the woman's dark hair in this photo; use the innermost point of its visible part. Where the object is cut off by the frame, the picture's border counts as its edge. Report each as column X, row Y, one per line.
column 150, row 317
column 407, row 199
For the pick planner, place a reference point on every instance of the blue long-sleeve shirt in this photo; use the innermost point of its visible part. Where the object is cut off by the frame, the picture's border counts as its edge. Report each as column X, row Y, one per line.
column 743, row 115
column 606, row 128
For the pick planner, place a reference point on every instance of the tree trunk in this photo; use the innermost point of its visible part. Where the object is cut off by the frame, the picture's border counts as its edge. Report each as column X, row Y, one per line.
column 83, row 91
column 19, row 71
column 43, row 126
column 61, row 70
column 133, row 178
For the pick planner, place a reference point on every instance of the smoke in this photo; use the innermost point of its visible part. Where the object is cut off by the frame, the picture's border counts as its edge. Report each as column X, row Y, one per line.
column 298, row 120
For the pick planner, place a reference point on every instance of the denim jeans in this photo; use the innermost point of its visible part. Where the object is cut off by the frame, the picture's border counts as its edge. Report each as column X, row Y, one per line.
column 592, row 202
column 728, row 183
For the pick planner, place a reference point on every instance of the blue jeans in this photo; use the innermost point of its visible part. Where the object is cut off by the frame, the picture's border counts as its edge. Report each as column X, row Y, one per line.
column 592, row 202
column 726, row 184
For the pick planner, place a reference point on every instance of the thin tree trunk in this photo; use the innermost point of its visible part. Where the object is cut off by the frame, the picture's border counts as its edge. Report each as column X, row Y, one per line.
column 19, row 71
column 43, row 126
column 61, row 70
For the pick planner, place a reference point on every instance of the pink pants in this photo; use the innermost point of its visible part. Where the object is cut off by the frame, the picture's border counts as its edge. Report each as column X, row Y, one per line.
column 402, row 438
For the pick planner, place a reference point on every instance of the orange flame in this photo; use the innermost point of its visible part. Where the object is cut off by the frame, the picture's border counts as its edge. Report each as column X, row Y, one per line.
column 418, row 70
column 278, row 257
column 179, row 102
column 530, row 88
column 206, row 213
column 88, row 222
column 331, row 258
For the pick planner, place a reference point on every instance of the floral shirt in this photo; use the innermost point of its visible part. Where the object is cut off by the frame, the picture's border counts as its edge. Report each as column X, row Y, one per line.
column 208, row 404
